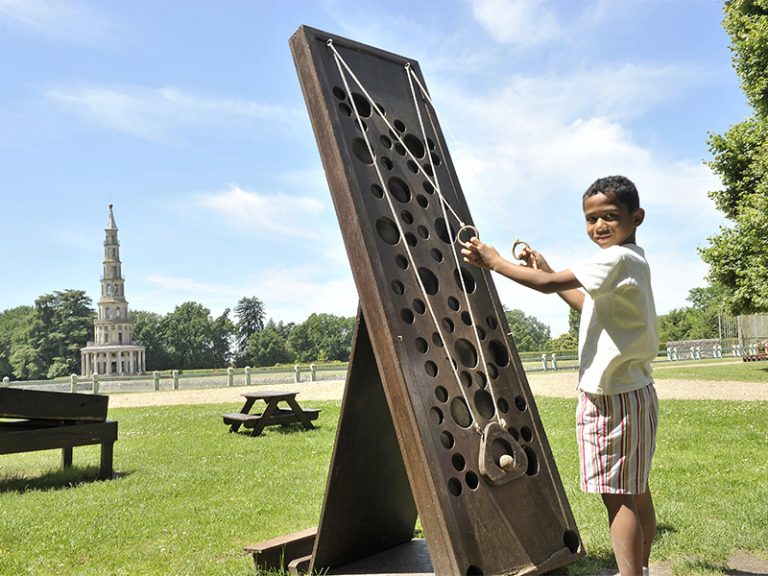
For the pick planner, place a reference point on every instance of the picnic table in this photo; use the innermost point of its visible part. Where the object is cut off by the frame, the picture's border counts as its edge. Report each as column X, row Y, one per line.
column 272, row 414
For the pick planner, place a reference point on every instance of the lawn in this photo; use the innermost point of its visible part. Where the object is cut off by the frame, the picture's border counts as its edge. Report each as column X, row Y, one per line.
column 723, row 370
column 189, row 495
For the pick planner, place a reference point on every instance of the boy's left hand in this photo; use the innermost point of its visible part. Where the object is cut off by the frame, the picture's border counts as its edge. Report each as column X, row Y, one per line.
column 479, row 254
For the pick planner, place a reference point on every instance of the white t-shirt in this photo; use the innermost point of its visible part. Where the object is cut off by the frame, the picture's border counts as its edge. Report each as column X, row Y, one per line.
column 618, row 334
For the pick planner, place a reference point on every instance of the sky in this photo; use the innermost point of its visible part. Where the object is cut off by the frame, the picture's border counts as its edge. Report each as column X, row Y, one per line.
column 188, row 117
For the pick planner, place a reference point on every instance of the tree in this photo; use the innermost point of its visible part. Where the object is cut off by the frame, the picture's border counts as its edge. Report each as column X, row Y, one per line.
column 322, row 337
column 529, row 333
column 738, row 254
column 250, row 320
column 567, row 340
column 695, row 322
column 148, row 331
column 267, row 347
column 12, row 323
column 189, row 336
column 223, row 332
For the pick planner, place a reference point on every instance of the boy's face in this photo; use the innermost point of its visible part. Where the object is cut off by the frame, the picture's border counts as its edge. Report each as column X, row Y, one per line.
column 609, row 222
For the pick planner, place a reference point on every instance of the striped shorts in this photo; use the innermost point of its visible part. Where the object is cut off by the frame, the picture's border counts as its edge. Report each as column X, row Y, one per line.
column 617, row 437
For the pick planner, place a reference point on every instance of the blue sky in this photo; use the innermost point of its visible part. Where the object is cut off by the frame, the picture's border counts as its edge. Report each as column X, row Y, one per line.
column 188, row 117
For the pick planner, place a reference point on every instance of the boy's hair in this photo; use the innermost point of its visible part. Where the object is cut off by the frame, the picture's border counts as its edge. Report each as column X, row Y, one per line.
column 620, row 188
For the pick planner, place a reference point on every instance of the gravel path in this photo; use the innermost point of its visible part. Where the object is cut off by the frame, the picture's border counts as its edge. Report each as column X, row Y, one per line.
column 559, row 384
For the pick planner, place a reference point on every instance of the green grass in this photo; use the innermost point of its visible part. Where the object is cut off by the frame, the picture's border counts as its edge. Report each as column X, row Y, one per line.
column 724, row 370
column 190, row 495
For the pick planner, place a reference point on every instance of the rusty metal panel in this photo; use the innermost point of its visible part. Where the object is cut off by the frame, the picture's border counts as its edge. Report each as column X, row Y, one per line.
column 480, row 468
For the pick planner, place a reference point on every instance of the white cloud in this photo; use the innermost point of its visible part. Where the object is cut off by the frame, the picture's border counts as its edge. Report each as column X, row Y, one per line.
column 521, row 22
column 271, row 213
column 158, row 114
column 71, row 20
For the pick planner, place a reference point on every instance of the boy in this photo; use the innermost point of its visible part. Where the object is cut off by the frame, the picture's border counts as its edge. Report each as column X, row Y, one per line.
column 617, row 410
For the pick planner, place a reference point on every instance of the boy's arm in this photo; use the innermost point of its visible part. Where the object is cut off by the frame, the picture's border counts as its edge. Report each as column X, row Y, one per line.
column 536, row 275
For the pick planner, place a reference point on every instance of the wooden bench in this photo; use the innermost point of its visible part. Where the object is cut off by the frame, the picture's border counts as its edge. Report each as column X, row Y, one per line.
column 33, row 420
column 280, row 416
column 272, row 414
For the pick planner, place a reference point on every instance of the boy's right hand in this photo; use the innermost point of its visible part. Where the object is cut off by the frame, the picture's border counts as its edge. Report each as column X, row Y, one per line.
column 479, row 254
column 534, row 259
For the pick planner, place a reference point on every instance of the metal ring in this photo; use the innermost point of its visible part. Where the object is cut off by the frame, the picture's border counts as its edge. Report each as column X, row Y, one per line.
column 517, row 243
column 466, row 227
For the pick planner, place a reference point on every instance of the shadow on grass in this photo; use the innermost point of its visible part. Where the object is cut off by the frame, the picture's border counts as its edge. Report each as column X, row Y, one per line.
column 279, row 429
column 55, row 480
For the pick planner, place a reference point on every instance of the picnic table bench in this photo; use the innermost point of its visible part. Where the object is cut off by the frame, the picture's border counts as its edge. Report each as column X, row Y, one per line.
column 33, row 420
column 273, row 414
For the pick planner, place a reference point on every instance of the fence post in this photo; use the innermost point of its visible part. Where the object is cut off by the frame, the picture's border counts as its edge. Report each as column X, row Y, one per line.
column 175, row 375
column 73, row 383
column 247, row 375
column 95, row 383
column 312, row 372
column 230, row 376
column 544, row 362
column 296, row 373
column 554, row 362
column 6, row 381
column 674, row 354
column 156, row 380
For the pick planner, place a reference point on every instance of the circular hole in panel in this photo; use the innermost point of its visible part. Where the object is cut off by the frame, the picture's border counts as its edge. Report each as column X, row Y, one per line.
column 492, row 322
column 361, row 125
column 399, row 125
column 520, row 403
column 436, row 340
column 387, row 230
column 345, row 109
column 398, row 287
column 481, row 333
column 429, row 280
column 411, row 239
column 526, row 434
column 441, row 394
column 407, row 315
column 533, row 461
column 514, row 433
column 446, row 439
column 437, row 256
column 412, row 166
column 473, row 570
column 454, row 487
column 466, row 352
column 466, row 275
column 460, row 412
column 360, row 150
column 448, row 324
column 430, row 144
column 419, row 306
column 399, row 189
column 430, row 368
column 428, row 188
column 499, row 353
column 453, row 303
column 571, row 541
column 400, row 149
column 377, row 191
column 472, row 480
column 415, row 145
column 401, row 261
column 482, row 380
column 436, row 416
column 382, row 111
column 407, row 217
column 503, row 405
column 385, row 141
column 387, row 163
column 338, row 91
column 421, row 345
column 492, row 370
column 362, row 104
column 465, row 378
column 422, row 200
column 423, row 231
column 428, row 170
column 435, row 159
column 466, row 317
column 442, row 231
column 484, row 404
column 466, row 234
column 458, row 462
column 499, row 448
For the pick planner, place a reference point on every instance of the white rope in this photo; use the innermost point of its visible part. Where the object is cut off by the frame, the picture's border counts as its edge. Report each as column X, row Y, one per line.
column 339, row 62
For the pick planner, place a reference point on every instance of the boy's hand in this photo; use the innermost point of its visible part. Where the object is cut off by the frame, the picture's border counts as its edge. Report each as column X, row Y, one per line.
column 481, row 255
column 534, row 259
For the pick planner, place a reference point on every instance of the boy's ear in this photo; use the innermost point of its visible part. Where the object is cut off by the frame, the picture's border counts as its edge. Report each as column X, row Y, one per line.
column 638, row 216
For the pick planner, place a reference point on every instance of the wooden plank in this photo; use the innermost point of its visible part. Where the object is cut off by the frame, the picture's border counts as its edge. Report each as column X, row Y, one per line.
column 276, row 553
column 67, row 436
column 43, row 404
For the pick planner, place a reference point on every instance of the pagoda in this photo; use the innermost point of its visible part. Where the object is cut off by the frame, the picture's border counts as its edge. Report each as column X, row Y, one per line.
column 113, row 352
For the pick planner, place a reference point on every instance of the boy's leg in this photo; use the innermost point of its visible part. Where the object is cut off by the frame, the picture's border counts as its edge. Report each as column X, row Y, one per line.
column 626, row 532
column 647, row 514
